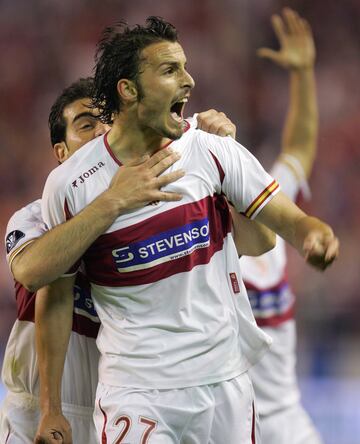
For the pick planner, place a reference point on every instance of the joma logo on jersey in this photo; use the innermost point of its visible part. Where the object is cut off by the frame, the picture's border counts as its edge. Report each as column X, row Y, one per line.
column 81, row 179
column 163, row 247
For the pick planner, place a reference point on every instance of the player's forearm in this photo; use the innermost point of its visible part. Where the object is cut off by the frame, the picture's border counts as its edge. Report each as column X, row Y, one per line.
column 251, row 238
column 300, row 131
column 287, row 220
column 51, row 255
column 53, row 323
column 283, row 217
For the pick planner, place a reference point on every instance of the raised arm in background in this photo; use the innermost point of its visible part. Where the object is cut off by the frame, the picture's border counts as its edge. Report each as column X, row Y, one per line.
column 297, row 55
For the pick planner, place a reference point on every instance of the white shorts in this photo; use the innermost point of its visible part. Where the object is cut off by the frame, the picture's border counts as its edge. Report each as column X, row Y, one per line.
column 19, row 419
column 222, row 413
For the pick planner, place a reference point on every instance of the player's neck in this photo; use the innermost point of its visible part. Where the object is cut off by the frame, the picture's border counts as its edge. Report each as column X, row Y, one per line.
column 129, row 141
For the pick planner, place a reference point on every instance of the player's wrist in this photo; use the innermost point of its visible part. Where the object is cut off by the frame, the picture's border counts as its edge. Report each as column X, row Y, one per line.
column 306, row 68
column 111, row 205
column 50, row 407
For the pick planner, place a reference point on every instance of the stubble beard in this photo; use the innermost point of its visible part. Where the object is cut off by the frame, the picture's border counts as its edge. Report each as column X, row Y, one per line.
column 175, row 135
column 163, row 132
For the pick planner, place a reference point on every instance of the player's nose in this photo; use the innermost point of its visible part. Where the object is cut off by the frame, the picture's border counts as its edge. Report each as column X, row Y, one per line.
column 189, row 81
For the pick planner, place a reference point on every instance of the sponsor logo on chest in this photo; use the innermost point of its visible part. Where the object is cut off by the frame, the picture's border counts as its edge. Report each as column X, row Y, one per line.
column 163, row 247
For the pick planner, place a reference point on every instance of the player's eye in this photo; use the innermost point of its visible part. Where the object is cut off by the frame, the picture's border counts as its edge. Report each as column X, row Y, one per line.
column 85, row 126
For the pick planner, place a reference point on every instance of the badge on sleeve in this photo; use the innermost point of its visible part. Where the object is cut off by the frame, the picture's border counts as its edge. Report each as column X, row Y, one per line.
column 12, row 239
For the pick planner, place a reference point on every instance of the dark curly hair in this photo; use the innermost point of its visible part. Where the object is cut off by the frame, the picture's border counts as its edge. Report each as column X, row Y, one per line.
column 118, row 56
column 81, row 89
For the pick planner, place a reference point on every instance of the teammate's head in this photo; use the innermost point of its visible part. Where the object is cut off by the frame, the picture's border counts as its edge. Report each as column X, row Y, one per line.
column 127, row 62
column 72, row 120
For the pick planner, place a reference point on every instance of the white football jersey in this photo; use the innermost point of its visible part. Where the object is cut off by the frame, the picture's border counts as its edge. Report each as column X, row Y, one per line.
column 166, row 280
column 265, row 277
column 20, row 371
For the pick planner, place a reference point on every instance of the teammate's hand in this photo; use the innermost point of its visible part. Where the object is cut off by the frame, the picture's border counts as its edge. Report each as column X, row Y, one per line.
column 297, row 49
column 320, row 249
column 139, row 183
column 53, row 429
column 217, row 123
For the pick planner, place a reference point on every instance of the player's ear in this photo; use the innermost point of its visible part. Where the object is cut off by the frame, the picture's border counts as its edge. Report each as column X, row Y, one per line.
column 127, row 90
column 61, row 151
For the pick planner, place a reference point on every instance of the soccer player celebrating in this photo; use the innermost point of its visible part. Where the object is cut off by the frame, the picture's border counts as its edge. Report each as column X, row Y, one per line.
column 37, row 256
column 178, row 334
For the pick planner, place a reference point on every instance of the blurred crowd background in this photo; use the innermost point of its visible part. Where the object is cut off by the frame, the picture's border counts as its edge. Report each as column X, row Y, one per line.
column 47, row 44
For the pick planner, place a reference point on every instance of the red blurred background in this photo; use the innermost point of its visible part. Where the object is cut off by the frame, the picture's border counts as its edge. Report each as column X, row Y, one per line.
column 47, row 44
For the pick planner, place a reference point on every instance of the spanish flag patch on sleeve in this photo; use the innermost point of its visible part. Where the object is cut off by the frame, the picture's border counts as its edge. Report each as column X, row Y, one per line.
column 263, row 198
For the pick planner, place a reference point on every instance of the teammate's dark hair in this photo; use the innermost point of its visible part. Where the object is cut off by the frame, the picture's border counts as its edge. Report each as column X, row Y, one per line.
column 81, row 89
column 118, row 56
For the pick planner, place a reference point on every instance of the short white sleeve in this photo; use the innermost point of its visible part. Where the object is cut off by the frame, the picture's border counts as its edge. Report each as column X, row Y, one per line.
column 54, row 203
column 244, row 181
column 55, row 206
column 23, row 227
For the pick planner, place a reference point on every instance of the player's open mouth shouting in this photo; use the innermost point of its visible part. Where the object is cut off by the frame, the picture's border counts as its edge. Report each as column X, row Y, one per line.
column 177, row 109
